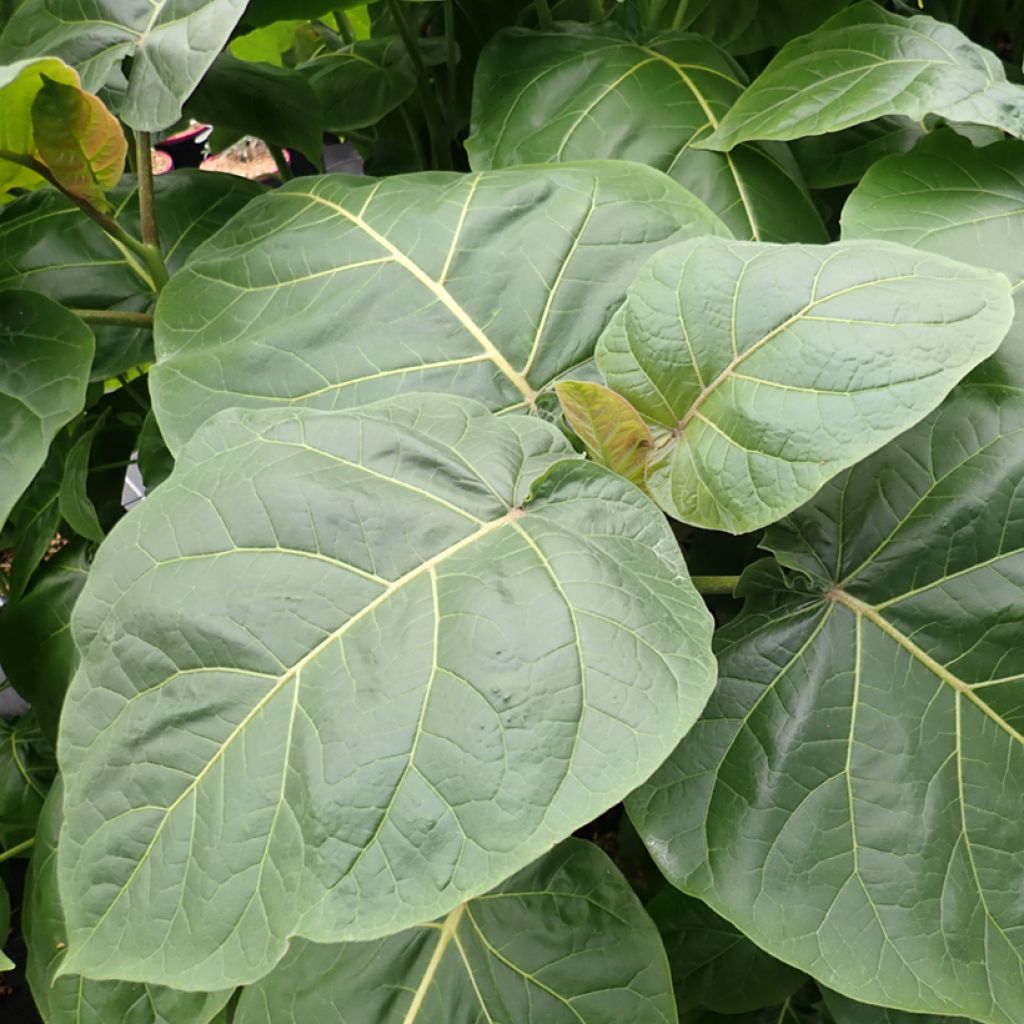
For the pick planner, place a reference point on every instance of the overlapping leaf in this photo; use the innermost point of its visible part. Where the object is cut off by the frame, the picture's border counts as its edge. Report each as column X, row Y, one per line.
column 866, row 63
column 26, row 771
column 948, row 197
column 45, row 356
column 563, row 942
column 171, row 44
column 847, row 1011
column 572, row 94
column 73, row 1000
column 366, row 666
column 337, row 291
column 48, row 246
column 768, row 369
column 851, row 797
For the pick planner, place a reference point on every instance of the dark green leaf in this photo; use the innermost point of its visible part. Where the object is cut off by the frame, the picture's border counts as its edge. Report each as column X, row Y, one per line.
column 48, row 246
column 36, row 650
column 256, row 721
column 503, row 280
column 73, row 1000
column 846, row 1011
column 865, row 63
column 26, row 771
column 6, row 964
column 851, row 798
column 272, row 103
column 45, row 356
column 577, row 93
column 714, row 966
column 155, row 461
column 564, row 942
column 767, row 369
column 76, row 507
column 842, row 158
column 171, row 43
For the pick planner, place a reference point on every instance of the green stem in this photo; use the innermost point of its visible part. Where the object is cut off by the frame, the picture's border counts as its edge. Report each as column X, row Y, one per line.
column 596, row 8
column 544, row 15
column 144, row 170
column 414, row 135
column 451, row 57
column 150, row 257
column 115, row 317
column 439, row 141
column 14, row 851
column 712, row 586
column 283, row 167
column 677, row 21
column 348, row 33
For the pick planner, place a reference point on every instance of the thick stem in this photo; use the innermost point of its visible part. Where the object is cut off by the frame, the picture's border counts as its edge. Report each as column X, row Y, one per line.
column 144, row 170
column 16, row 851
column 414, row 135
column 677, row 21
column 712, row 586
column 345, row 29
column 115, row 317
column 439, row 141
column 544, row 15
column 284, row 169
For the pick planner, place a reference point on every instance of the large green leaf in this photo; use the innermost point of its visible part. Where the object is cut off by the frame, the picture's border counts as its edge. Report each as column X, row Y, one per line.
column 866, row 63
column 847, row 1011
column 274, row 103
column 563, row 942
column 573, row 93
column 36, row 650
column 714, row 966
column 45, row 356
column 948, row 197
column 357, row 86
column 851, row 798
column 336, row 291
column 26, row 771
column 46, row 245
column 390, row 657
column 768, row 369
column 171, row 43
column 73, row 1000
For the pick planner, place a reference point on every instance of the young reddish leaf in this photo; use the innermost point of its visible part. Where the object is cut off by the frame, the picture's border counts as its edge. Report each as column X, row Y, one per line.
column 613, row 431
column 78, row 139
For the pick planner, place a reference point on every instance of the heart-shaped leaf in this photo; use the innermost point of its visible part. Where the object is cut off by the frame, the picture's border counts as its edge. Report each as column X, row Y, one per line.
column 73, row 1000
column 46, row 245
column 45, row 356
column 564, row 942
column 865, row 63
column 574, row 94
column 337, row 291
column 768, row 369
column 391, row 657
column 79, row 140
column 851, row 797
column 171, row 43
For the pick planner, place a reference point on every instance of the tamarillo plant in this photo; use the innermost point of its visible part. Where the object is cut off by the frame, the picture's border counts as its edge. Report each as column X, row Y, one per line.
column 581, row 572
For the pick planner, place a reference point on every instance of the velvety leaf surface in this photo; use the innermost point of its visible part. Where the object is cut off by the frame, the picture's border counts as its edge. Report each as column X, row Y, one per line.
column 714, row 966
column 20, row 83
column 370, row 664
column 73, row 1000
column 45, row 356
column 359, row 85
column 563, row 942
column 613, row 432
column 171, row 43
column 948, row 197
column 36, row 650
column 79, row 140
column 768, row 369
column 851, row 798
column 866, row 63
column 336, row 291
column 577, row 93
column 48, row 246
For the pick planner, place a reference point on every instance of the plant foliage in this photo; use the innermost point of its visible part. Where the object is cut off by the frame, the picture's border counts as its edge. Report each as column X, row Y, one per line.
column 580, row 572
